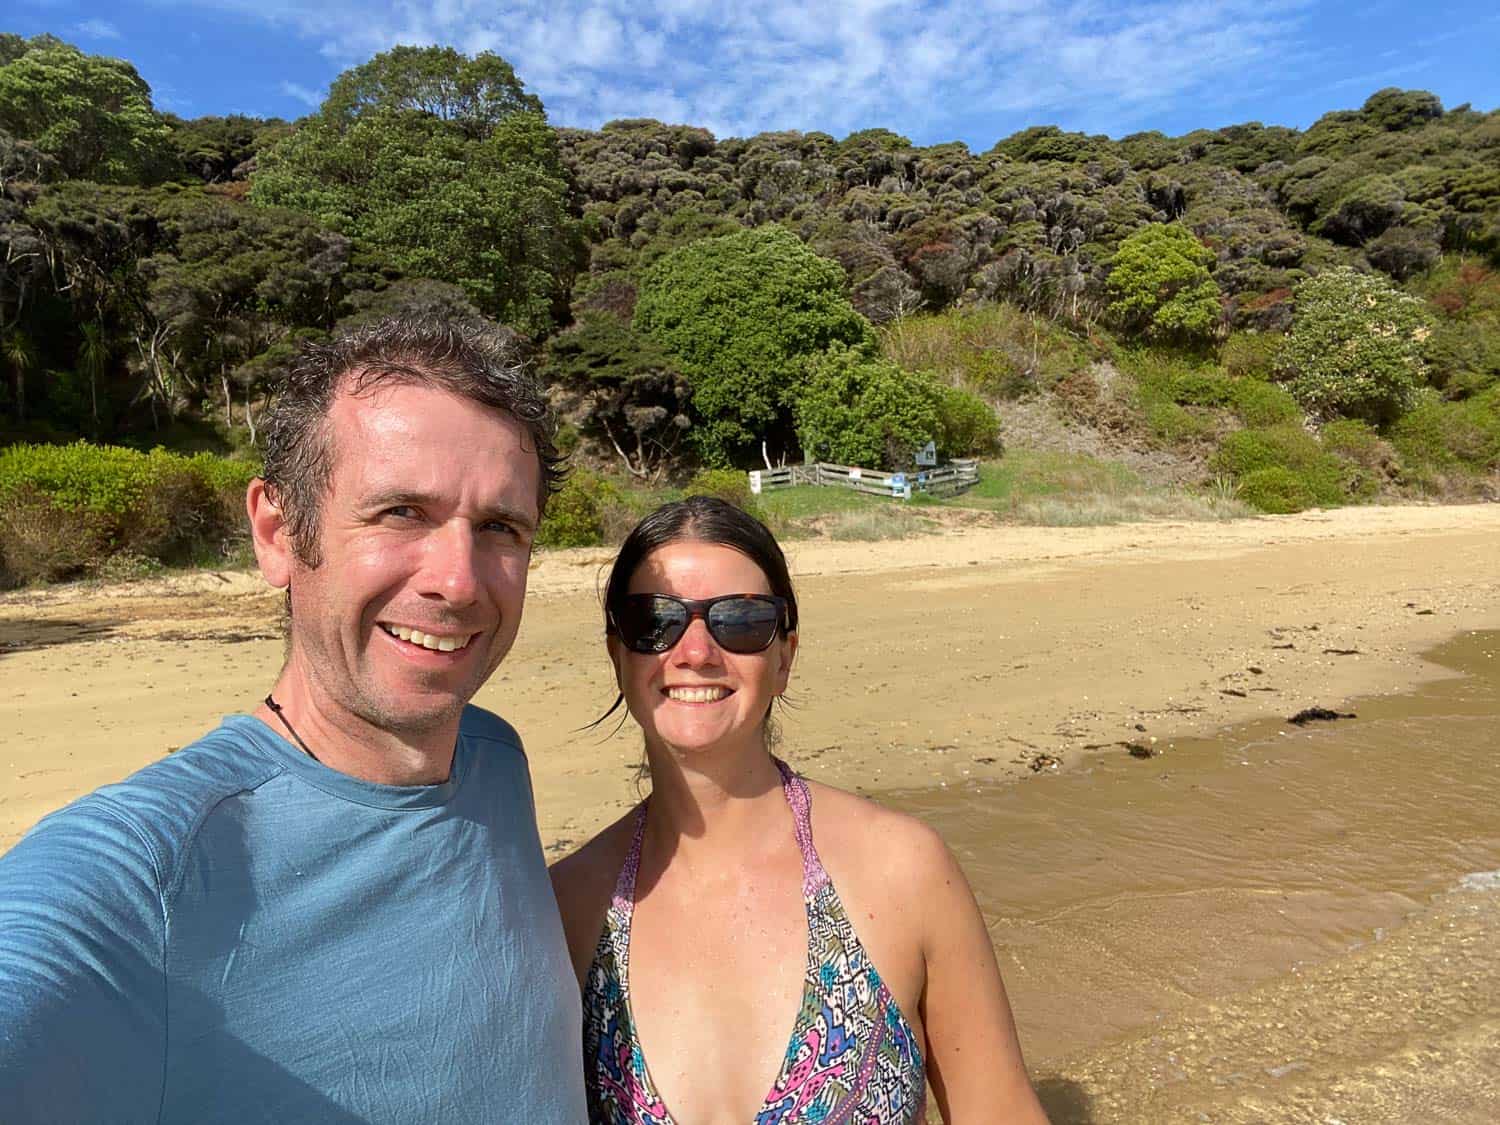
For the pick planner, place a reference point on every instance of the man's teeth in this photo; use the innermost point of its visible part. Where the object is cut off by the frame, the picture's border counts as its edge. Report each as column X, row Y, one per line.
column 697, row 694
column 429, row 640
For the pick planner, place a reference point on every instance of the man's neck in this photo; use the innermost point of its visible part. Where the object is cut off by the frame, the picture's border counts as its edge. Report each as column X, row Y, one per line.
column 352, row 745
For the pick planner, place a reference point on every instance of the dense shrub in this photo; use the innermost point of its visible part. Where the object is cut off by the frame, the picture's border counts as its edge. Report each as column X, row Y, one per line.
column 1451, row 435
column 729, row 485
column 742, row 315
column 1175, row 424
column 967, row 426
column 997, row 350
column 576, row 515
column 1356, row 346
column 1246, row 452
column 1161, row 285
column 67, row 508
column 1201, row 388
column 1275, row 489
column 1250, row 353
column 1263, row 404
column 858, row 410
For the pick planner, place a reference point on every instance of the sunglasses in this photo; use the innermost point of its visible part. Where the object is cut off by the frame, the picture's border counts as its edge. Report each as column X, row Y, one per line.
column 738, row 623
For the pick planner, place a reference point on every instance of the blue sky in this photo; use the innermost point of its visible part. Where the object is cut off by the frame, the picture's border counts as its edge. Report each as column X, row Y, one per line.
column 971, row 70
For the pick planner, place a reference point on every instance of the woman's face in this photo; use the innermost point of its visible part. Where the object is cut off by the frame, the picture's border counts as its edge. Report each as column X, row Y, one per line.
column 696, row 696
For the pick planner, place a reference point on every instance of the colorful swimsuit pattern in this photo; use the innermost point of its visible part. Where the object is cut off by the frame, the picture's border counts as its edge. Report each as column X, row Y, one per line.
column 852, row 1058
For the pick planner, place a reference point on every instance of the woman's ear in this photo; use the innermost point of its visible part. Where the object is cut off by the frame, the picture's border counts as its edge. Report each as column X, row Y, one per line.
column 616, row 657
column 788, row 654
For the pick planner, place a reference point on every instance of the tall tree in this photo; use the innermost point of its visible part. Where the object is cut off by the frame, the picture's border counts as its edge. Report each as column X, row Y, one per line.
column 447, row 168
column 91, row 114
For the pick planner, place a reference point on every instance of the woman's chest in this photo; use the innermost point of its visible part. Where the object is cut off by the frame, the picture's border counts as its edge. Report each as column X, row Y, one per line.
column 716, row 985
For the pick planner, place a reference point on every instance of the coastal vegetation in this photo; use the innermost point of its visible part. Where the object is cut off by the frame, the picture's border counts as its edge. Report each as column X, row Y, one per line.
column 1248, row 316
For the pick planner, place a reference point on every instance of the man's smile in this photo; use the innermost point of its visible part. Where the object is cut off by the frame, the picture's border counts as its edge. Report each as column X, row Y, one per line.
column 434, row 642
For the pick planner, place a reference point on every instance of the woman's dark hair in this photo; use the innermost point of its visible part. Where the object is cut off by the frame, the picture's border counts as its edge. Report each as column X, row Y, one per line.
column 699, row 519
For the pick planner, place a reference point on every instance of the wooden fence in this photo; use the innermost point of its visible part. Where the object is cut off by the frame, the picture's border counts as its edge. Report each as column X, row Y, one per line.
column 945, row 480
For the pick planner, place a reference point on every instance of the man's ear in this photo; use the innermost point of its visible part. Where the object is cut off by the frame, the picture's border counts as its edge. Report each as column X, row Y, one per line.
column 268, row 533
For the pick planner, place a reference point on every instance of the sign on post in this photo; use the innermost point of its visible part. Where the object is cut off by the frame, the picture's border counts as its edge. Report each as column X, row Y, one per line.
column 927, row 455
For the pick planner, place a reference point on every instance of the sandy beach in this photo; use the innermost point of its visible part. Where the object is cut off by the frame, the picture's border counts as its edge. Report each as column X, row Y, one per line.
column 984, row 653
column 952, row 674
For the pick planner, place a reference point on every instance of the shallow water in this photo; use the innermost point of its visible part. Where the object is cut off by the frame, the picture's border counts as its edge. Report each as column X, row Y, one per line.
column 1127, row 891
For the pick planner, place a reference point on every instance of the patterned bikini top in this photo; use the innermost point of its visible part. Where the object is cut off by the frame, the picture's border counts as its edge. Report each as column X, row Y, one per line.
column 852, row 1058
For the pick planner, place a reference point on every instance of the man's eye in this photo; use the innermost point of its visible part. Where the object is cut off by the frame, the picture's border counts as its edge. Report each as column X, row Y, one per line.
column 401, row 512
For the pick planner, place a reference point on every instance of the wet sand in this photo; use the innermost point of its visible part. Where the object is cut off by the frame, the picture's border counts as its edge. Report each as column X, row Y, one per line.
column 1017, row 662
column 1274, row 924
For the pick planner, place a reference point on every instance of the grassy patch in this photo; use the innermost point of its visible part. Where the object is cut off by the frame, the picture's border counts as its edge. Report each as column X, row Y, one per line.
column 996, row 350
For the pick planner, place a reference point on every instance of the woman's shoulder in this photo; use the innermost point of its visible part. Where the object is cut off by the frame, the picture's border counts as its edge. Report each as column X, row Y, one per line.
column 595, row 866
column 850, row 829
column 583, row 883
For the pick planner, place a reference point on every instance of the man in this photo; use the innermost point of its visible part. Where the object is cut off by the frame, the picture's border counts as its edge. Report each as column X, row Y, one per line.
column 335, row 909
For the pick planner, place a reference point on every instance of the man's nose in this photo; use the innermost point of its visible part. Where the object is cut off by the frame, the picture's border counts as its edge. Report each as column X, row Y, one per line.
column 451, row 567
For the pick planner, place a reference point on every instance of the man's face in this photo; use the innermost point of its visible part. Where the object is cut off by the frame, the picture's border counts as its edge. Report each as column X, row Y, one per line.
column 426, row 526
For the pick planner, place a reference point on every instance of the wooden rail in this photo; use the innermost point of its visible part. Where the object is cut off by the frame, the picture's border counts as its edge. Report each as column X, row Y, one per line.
column 945, row 480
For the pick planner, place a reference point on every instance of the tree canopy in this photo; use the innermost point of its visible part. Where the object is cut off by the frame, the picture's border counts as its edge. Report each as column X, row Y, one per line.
column 90, row 114
column 742, row 315
column 445, row 167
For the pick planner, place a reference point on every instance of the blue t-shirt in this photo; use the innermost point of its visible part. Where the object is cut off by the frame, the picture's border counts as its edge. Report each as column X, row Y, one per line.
column 237, row 933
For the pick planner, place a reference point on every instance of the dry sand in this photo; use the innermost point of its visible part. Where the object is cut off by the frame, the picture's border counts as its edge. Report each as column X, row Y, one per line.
column 922, row 661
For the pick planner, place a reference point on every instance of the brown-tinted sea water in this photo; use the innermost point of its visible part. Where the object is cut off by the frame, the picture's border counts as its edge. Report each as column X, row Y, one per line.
column 1275, row 924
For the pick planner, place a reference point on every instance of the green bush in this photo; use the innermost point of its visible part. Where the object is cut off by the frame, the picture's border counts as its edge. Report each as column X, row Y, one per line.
column 70, row 507
column 729, row 485
column 1161, row 284
column 967, row 427
column 1275, row 489
column 858, row 410
column 1370, row 460
column 743, row 315
column 1202, row 388
column 1250, row 354
column 1246, row 452
column 1263, row 404
column 577, row 513
column 1175, row 424
column 1356, row 346
column 1451, row 435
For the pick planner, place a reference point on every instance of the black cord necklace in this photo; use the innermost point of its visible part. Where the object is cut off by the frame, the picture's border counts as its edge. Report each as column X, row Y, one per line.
column 276, row 710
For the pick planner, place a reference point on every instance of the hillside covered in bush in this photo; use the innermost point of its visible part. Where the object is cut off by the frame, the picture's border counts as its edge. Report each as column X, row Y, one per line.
column 1296, row 316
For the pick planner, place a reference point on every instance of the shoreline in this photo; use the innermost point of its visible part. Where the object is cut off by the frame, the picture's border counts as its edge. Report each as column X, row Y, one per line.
column 924, row 661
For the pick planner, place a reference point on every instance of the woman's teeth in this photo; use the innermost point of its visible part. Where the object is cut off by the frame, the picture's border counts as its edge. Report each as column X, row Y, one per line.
column 433, row 641
column 697, row 694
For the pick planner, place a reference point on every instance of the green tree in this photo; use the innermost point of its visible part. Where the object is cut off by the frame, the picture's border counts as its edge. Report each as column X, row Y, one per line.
column 743, row 315
column 93, row 115
column 1356, row 347
column 859, row 409
column 1161, row 285
column 447, row 168
column 19, row 355
column 621, row 391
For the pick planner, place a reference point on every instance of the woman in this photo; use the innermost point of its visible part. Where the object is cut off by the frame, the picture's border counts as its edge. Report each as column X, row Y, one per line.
column 705, row 926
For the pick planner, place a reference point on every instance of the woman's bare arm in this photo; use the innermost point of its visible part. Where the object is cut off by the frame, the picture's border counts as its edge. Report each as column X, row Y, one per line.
column 974, row 1058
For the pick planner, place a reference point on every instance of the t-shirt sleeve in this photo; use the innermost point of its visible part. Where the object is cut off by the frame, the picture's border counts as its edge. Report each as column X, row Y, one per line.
column 82, row 988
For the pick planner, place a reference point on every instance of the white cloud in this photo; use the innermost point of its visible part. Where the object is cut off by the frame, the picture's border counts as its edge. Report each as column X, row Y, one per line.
column 310, row 98
column 922, row 68
column 96, row 29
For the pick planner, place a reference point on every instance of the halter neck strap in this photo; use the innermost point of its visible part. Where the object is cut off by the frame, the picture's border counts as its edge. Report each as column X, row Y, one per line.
column 797, row 798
